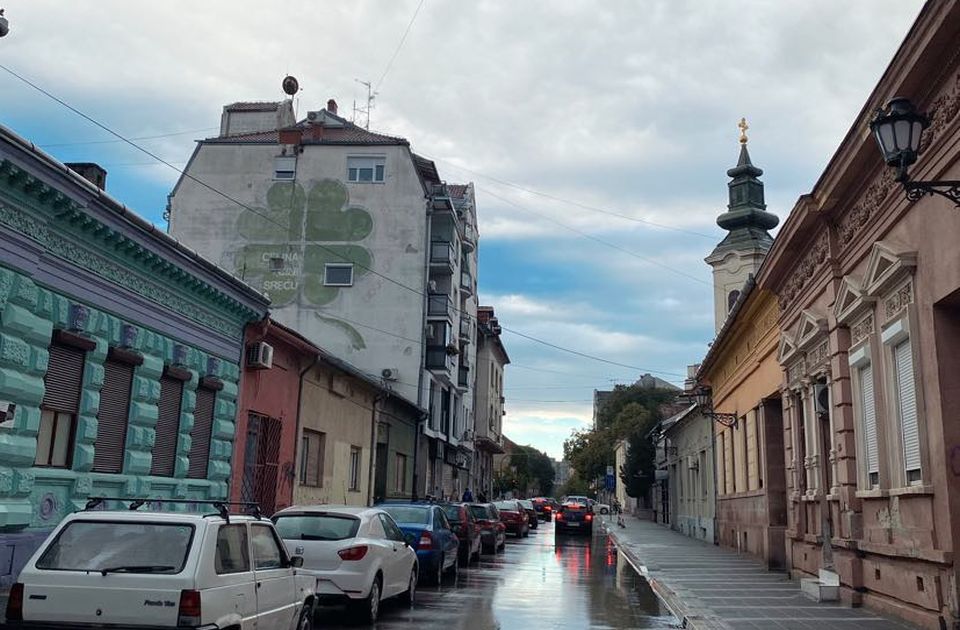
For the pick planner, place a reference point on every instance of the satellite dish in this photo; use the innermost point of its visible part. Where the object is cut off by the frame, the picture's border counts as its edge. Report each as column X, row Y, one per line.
column 290, row 85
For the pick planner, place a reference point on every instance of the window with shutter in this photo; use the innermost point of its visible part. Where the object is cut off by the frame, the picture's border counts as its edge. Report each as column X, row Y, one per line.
column 311, row 471
column 61, row 402
column 868, row 415
column 112, row 418
column 907, row 410
column 200, row 436
column 168, row 427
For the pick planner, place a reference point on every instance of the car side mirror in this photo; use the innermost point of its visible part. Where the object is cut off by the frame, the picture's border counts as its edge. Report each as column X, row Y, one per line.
column 409, row 539
column 296, row 562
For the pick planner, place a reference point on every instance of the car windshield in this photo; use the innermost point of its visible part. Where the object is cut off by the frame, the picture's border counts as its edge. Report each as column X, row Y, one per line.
column 316, row 526
column 527, row 504
column 452, row 512
column 408, row 513
column 479, row 512
column 510, row 506
column 117, row 546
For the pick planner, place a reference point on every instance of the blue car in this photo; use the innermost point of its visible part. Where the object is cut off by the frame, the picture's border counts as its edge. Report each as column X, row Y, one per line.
column 432, row 538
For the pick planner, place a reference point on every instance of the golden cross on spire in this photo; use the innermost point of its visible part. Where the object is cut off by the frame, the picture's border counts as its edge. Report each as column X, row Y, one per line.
column 743, row 126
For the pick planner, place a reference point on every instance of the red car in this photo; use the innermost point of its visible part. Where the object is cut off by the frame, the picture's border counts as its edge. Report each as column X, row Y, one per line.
column 465, row 526
column 493, row 533
column 545, row 508
column 514, row 517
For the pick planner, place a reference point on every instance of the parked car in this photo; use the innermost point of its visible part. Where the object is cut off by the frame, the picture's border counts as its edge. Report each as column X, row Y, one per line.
column 127, row 568
column 465, row 526
column 574, row 515
column 436, row 545
column 493, row 533
column 358, row 555
column 533, row 521
column 514, row 517
column 601, row 508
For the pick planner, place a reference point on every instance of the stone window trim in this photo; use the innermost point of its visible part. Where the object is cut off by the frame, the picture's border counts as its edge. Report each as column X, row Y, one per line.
column 893, row 333
column 888, row 265
column 811, row 330
column 862, row 354
column 853, row 302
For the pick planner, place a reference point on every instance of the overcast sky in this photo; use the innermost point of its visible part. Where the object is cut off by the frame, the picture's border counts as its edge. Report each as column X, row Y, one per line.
column 556, row 111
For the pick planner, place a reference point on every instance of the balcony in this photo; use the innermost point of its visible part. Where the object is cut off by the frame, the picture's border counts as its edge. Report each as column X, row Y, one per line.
column 466, row 329
column 442, row 256
column 438, row 358
column 466, row 282
column 463, row 377
column 469, row 237
column 439, row 305
column 440, row 198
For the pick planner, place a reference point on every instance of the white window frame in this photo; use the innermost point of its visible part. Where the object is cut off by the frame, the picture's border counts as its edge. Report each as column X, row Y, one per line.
column 328, row 266
column 896, row 333
column 861, row 358
column 284, row 160
column 375, row 162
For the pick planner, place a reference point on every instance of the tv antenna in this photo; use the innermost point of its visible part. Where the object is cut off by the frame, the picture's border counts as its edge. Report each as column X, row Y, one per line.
column 371, row 94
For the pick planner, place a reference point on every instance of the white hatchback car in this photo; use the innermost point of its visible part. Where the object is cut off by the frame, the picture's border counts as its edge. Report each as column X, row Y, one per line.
column 358, row 554
column 126, row 569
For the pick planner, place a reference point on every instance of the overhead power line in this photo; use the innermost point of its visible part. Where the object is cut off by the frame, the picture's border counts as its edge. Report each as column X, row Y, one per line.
column 286, row 226
column 399, row 46
column 86, row 142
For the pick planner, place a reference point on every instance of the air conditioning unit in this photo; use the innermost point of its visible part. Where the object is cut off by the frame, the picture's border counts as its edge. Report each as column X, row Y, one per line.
column 260, row 356
column 390, row 374
column 821, row 399
column 312, row 116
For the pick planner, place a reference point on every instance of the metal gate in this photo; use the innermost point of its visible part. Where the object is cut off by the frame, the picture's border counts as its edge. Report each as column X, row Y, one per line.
column 261, row 462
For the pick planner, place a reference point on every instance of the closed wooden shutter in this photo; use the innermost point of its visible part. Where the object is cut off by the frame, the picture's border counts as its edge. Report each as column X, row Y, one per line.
column 869, row 419
column 64, row 378
column 112, row 419
column 200, row 436
column 907, row 397
column 168, row 427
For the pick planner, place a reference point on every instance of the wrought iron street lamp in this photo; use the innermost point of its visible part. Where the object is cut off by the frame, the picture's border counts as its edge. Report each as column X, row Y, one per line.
column 703, row 396
column 898, row 130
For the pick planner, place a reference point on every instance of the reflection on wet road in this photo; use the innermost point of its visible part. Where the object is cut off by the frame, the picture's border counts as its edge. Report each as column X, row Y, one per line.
column 538, row 582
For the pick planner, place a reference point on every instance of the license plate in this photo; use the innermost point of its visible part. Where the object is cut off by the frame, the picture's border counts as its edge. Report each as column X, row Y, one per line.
column 572, row 524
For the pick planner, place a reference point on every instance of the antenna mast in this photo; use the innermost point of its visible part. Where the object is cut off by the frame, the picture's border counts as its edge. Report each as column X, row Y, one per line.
column 365, row 110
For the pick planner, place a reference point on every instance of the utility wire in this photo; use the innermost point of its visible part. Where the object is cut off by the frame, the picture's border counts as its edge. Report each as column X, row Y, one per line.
column 652, row 261
column 85, row 142
column 399, row 46
column 333, row 252
column 571, row 202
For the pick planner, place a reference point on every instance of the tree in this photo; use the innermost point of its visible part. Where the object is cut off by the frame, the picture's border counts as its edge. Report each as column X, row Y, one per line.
column 532, row 469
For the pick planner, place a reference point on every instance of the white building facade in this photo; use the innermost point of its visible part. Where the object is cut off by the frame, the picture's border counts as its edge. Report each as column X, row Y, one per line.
column 360, row 246
column 491, row 362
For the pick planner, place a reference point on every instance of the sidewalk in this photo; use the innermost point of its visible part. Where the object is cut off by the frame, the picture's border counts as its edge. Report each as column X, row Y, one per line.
column 710, row 587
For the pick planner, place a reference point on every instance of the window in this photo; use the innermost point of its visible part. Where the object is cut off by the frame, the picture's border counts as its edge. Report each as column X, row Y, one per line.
column 865, row 412
column 355, row 468
column 112, row 417
column 285, row 167
column 338, row 275
column 201, row 433
column 233, row 554
column 61, row 402
column 390, row 528
column 732, row 298
column 365, row 169
column 400, row 473
column 168, row 427
column 312, row 447
column 85, row 545
column 907, row 410
column 317, row 526
column 266, row 551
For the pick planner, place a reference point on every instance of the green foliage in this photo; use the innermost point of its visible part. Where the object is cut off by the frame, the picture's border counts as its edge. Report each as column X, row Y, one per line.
column 629, row 413
column 529, row 469
column 574, row 486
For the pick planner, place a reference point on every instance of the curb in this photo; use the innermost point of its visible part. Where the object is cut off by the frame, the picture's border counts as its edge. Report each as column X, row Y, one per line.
column 673, row 602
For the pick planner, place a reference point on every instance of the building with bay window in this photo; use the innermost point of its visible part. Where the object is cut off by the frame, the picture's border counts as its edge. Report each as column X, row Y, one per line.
column 119, row 353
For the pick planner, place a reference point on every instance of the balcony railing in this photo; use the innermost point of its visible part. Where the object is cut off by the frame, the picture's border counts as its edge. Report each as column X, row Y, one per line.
column 469, row 237
column 438, row 358
column 466, row 329
column 443, row 254
column 466, row 282
column 463, row 377
column 439, row 305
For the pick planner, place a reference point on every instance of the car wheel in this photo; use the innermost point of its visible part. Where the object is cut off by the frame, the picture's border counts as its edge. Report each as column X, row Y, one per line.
column 367, row 609
column 306, row 618
column 409, row 596
column 604, row 511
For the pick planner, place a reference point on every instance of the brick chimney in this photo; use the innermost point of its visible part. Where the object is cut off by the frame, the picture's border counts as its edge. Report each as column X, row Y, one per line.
column 93, row 173
column 332, row 107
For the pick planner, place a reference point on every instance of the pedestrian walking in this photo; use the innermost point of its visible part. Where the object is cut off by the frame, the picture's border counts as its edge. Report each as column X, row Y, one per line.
column 467, row 496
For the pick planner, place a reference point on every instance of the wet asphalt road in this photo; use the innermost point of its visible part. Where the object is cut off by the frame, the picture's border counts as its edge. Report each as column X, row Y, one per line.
column 537, row 582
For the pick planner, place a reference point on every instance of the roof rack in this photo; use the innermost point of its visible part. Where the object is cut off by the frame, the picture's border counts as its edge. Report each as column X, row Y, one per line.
column 222, row 507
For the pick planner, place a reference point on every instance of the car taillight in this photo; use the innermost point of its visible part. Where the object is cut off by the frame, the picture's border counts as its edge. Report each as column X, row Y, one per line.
column 559, row 516
column 15, row 603
column 501, row 527
column 588, row 517
column 547, row 508
column 353, row 553
column 189, row 613
column 426, row 541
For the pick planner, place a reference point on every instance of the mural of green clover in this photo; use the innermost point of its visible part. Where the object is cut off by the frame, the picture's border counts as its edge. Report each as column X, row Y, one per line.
column 290, row 241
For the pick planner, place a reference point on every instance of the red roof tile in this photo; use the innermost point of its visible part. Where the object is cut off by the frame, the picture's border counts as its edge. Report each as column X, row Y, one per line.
column 348, row 133
column 253, row 106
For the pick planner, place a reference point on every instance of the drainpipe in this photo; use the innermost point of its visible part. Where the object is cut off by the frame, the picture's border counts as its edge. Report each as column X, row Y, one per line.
column 296, row 433
column 716, row 495
column 373, row 445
